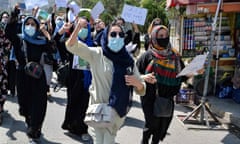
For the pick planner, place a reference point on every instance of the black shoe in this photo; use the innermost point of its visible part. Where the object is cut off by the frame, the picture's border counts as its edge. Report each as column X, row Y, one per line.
column 66, row 126
column 34, row 133
column 1, row 118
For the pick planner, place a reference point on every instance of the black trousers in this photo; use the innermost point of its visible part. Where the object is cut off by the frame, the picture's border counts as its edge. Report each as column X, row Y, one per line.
column 11, row 69
column 77, row 103
column 155, row 127
column 32, row 98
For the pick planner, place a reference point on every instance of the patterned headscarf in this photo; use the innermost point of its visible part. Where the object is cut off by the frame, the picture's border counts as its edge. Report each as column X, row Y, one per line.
column 166, row 63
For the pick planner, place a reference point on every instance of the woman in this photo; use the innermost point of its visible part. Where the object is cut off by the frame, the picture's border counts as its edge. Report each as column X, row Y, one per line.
column 159, row 67
column 155, row 22
column 110, row 84
column 5, row 47
column 77, row 89
column 32, row 92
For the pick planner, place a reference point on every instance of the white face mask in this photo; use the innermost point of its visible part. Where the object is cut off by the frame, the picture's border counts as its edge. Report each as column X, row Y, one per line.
column 30, row 30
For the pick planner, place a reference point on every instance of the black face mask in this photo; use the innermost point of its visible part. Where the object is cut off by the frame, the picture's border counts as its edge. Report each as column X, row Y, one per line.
column 163, row 42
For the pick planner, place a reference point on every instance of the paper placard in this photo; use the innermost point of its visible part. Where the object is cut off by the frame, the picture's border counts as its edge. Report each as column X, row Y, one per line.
column 30, row 4
column 61, row 3
column 134, row 14
column 74, row 7
column 41, row 14
column 80, row 64
column 4, row 4
column 196, row 64
column 97, row 10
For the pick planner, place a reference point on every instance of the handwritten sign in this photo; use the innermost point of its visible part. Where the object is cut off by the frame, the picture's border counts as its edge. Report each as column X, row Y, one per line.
column 196, row 64
column 74, row 7
column 97, row 10
column 32, row 3
column 61, row 3
column 4, row 4
column 134, row 14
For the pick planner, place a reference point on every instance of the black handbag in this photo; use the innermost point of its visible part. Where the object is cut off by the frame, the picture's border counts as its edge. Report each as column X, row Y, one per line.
column 33, row 69
column 163, row 107
column 63, row 74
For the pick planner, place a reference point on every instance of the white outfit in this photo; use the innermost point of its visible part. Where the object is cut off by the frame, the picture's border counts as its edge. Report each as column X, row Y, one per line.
column 102, row 73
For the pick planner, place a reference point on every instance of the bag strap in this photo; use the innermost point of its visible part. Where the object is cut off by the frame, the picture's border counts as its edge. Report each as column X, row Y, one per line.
column 25, row 50
column 154, row 70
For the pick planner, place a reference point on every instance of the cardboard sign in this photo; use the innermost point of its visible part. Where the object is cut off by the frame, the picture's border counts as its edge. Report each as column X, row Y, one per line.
column 134, row 14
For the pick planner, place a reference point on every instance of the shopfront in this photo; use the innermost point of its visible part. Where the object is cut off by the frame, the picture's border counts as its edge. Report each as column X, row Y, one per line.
column 191, row 26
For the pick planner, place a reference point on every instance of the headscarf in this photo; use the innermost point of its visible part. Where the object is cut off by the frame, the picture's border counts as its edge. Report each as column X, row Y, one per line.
column 166, row 62
column 35, row 39
column 120, row 94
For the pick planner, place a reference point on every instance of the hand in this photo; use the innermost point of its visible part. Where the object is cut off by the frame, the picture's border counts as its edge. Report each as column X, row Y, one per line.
column 131, row 80
column 66, row 26
column 150, row 78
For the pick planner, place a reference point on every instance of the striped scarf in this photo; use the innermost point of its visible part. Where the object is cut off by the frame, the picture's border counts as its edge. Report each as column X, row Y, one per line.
column 166, row 65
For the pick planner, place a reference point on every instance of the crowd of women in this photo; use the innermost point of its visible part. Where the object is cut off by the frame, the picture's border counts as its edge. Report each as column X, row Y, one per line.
column 97, row 57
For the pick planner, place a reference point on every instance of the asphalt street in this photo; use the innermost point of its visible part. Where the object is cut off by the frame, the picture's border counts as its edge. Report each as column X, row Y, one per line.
column 13, row 128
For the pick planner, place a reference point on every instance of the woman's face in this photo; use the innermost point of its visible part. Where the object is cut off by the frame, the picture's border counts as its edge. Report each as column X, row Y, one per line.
column 162, row 33
column 115, row 31
column 31, row 22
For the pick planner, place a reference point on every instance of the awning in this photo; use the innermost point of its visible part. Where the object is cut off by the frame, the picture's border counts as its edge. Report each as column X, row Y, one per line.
column 173, row 3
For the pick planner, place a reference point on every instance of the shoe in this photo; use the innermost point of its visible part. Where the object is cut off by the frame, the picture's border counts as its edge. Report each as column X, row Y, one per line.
column 85, row 137
column 34, row 133
column 34, row 141
column 1, row 118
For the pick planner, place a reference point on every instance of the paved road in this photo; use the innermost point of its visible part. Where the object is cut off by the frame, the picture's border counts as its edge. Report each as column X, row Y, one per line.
column 13, row 129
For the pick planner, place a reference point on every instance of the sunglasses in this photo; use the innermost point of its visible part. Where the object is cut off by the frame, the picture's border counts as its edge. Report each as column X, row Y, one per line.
column 120, row 34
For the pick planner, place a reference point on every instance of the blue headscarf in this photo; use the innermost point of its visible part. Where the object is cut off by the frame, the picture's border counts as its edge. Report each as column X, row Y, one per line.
column 87, row 73
column 120, row 94
column 35, row 39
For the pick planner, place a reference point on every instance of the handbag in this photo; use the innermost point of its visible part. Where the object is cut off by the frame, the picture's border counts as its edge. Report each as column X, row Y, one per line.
column 62, row 74
column 32, row 68
column 163, row 107
column 99, row 116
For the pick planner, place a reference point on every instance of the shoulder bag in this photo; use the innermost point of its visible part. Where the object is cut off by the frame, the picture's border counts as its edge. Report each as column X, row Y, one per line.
column 99, row 115
column 162, row 106
column 32, row 68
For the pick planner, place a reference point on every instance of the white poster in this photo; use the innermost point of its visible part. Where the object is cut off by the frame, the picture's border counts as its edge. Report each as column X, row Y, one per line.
column 134, row 14
column 61, row 3
column 74, row 7
column 196, row 64
column 97, row 10
column 30, row 4
column 4, row 4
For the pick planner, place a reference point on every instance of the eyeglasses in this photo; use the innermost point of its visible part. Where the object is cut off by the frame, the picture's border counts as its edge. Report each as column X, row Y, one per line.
column 120, row 34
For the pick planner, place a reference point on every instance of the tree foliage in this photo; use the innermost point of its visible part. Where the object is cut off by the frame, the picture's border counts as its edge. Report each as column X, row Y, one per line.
column 113, row 8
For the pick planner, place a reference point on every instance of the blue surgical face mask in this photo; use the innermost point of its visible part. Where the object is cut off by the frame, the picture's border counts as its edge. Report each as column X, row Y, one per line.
column 116, row 44
column 59, row 23
column 83, row 33
column 30, row 30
